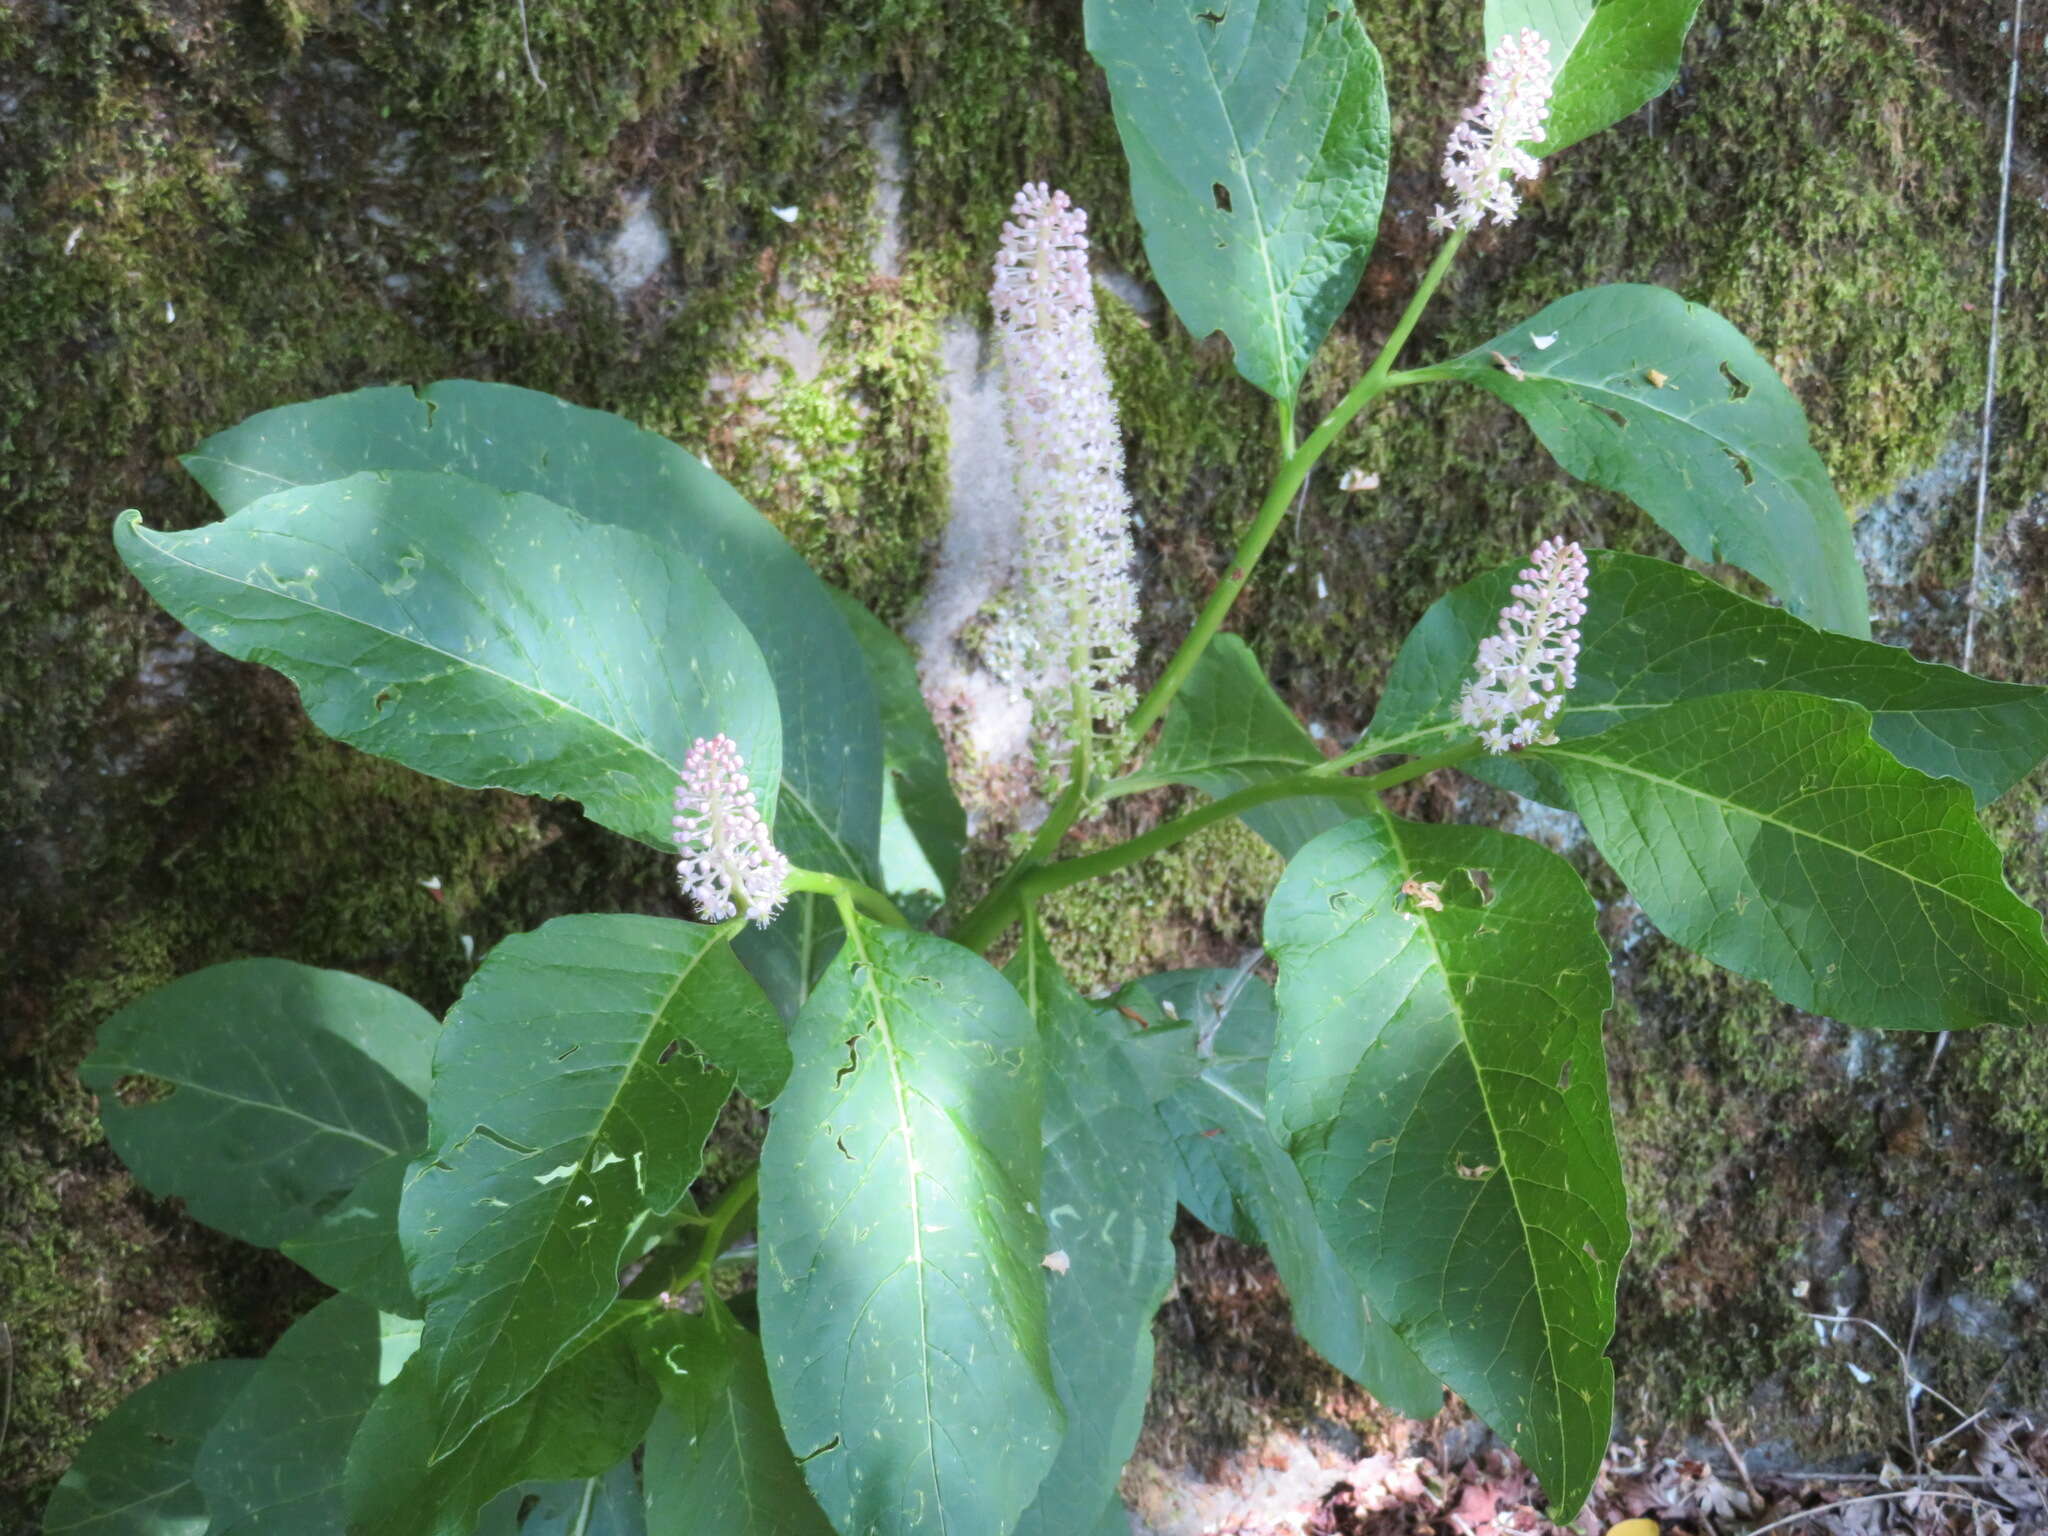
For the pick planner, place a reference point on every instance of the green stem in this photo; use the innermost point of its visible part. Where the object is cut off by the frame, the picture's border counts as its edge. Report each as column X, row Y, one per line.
column 670, row 1271
column 866, row 897
column 1379, row 378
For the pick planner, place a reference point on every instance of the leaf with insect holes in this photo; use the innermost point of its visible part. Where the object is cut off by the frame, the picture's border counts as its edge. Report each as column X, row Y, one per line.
column 1108, row 1198
column 1236, row 1178
column 1257, row 135
column 491, row 640
column 608, row 1504
column 133, row 1475
column 262, row 1090
column 1440, row 1080
column 1609, row 56
column 1655, row 634
column 902, row 1299
column 1636, row 391
column 354, row 1246
column 575, row 1083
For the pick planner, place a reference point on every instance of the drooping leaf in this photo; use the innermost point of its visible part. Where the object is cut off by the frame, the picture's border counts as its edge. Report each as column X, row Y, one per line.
column 1655, row 633
column 902, row 1298
column 607, row 470
column 1236, row 1178
column 1639, row 392
column 1440, row 1080
column 1769, row 832
column 133, row 1476
column 1108, row 1198
column 606, row 1505
column 490, row 640
column 1228, row 730
column 1257, row 135
column 259, row 1091
column 577, row 1079
column 580, row 1421
column 354, row 1246
column 923, row 827
column 272, row 1464
column 716, row 1456
column 1608, row 56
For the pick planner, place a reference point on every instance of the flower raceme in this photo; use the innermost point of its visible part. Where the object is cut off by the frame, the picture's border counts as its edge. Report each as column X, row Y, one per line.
column 1485, row 155
column 729, row 865
column 1524, row 671
column 1069, row 643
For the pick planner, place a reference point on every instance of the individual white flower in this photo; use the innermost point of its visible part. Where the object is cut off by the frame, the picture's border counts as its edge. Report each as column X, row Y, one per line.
column 1076, row 612
column 729, row 865
column 1524, row 671
column 1485, row 156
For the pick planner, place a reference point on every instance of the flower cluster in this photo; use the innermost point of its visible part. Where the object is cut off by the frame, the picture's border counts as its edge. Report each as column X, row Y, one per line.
column 729, row 865
column 1525, row 671
column 1071, row 632
column 1485, row 157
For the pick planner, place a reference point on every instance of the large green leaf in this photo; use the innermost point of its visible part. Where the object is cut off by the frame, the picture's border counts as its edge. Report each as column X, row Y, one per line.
column 354, row 1246
column 716, row 1456
column 607, row 470
column 1440, row 1079
column 1108, row 1198
column 259, row 1091
column 133, row 1475
column 902, row 1298
column 1257, row 137
column 488, row 639
column 1228, row 730
column 1655, row 633
column 581, row 1419
column 272, row 1464
column 1772, row 834
column 1610, row 56
column 576, row 1081
column 1639, row 392
column 1236, row 1178
column 923, row 827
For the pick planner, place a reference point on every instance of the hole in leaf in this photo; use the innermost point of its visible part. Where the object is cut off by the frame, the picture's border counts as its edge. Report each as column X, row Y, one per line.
column 384, row 696
column 1741, row 466
column 504, row 1141
column 1482, row 882
column 1222, row 196
column 829, row 1445
column 1214, row 18
column 1737, row 390
column 1476, row 1171
column 1612, row 415
column 138, row 1088
column 668, row 1053
column 161, row 1438
column 852, row 1062
column 1564, row 1075
column 1329, row 16
column 527, row 1506
column 840, row 1143
column 568, row 1053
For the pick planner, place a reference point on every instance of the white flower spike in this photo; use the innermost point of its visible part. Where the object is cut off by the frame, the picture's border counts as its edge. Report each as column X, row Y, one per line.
column 1074, row 624
column 1485, row 156
column 729, row 865
column 1524, row 672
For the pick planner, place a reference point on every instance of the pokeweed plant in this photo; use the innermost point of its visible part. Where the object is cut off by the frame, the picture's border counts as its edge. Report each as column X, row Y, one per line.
column 961, row 1212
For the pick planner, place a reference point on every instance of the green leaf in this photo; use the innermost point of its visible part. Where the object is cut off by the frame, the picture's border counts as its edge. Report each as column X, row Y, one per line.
column 1236, row 1178
column 1769, row 832
column 490, row 640
column 1257, row 136
column 1441, row 1082
column 902, row 1298
column 273, row 1461
column 1108, row 1198
column 577, row 1079
column 607, row 470
column 1228, row 730
column 1656, row 633
column 1717, row 453
column 1609, row 56
column 716, row 1456
column 259, row 1091
column 923, row 827
column 133, row 1475
column 354, row 1246
column 607, row 1505
column 581, row 1419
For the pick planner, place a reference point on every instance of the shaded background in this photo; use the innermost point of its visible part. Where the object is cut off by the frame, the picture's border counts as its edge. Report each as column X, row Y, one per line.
column 210, row 207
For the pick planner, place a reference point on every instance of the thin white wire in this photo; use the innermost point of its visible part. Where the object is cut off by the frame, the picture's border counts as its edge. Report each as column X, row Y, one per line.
column 2012, row 100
